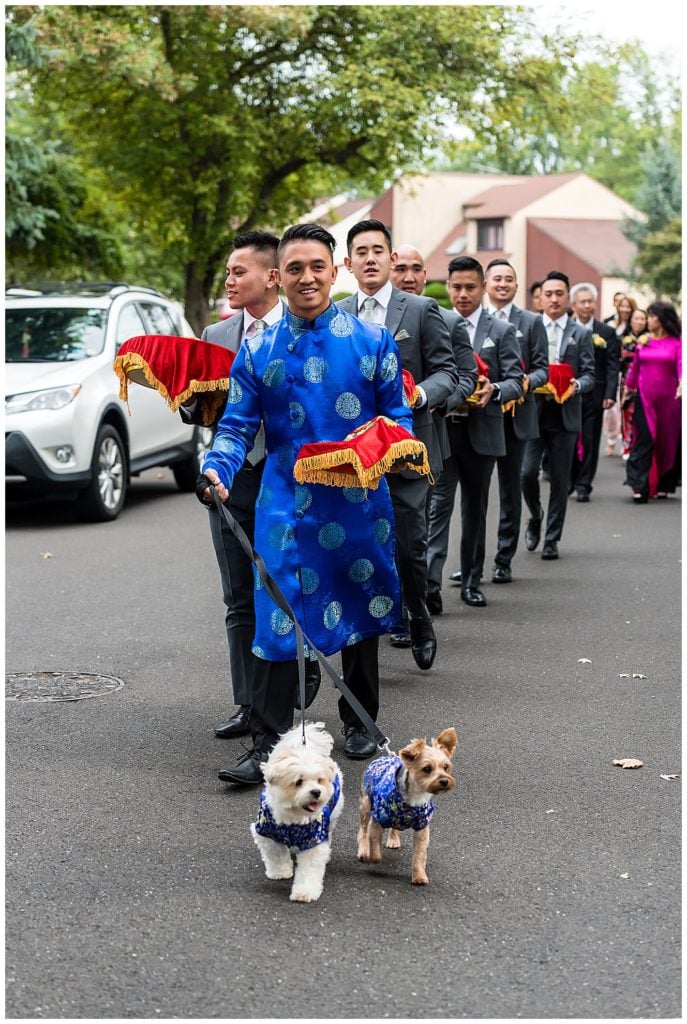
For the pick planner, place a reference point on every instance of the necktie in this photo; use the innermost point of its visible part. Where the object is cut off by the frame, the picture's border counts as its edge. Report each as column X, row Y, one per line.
column 500, row 314
column 553, row 342
column 257, row 452
column 368, row 313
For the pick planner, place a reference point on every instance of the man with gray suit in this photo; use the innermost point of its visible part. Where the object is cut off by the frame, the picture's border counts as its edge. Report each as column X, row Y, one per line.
column 252, row 289
column 559, row 424
column 425, row 348
column 522, row 424
column 476, row 434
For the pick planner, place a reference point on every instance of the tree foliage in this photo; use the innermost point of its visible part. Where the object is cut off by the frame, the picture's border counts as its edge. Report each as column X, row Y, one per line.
column 207, row 120
column 658, row 236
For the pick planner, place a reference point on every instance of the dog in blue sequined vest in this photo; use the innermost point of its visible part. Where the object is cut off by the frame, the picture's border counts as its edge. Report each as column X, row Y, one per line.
column 397, row 794
column 299, row 806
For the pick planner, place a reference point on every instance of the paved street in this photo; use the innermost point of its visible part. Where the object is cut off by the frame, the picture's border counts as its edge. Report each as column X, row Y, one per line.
column 134, row 888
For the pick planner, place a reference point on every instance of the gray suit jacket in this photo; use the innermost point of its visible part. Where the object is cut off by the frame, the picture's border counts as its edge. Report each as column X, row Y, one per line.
column 497, row 345
column 577, row 349
column 425, row 349
column 467, row 371
column 534, row 349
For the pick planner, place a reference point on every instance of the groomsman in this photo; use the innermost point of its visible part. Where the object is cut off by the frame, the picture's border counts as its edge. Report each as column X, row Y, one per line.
column 425, row 348
column 559, row 424
column 583, row 299
column 476, row 434
column 521, row 424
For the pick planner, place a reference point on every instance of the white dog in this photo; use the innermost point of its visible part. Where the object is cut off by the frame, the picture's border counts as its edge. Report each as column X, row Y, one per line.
column 299, row 806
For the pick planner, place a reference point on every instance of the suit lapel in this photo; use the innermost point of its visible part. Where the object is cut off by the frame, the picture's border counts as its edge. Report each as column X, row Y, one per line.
column 567, row 335
column 395, row 310
column 481, row 331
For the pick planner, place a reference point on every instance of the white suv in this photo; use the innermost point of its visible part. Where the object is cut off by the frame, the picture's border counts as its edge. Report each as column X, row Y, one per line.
column 65, row 426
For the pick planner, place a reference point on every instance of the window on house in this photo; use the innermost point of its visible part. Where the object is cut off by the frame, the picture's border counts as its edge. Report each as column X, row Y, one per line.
column 490, row 234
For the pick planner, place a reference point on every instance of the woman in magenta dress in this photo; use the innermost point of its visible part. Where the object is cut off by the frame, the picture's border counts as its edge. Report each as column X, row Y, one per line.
column 653, row 468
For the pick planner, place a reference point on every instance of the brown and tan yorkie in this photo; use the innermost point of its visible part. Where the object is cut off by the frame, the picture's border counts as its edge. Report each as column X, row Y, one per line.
column 397, row 794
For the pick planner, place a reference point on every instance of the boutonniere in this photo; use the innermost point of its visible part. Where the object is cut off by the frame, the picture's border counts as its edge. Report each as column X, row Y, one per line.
column 599, row 342
column 642, row 339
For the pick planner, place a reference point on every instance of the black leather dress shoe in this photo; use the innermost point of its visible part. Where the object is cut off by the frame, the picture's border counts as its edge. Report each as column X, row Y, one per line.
column 247, row 771
column 456, row 578
column 424, row 642
column 533, row 533
column 582, row 497
column 474, row 597
column 237, row 725
column 550, row 550
column 358, row 745
column 313, row 678
column 435, row 605
column 401, row 638
column 501, row 574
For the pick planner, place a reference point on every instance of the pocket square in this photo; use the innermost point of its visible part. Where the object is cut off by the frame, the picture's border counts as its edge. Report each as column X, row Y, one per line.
column 488, row 343
column 401, row 335
column 518, row 334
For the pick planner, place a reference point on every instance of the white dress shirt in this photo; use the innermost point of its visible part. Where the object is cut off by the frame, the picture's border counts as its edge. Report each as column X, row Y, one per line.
column 503, row 313
column 471, row 323
column 560, row 327
column 382, row 298
column 273, row 316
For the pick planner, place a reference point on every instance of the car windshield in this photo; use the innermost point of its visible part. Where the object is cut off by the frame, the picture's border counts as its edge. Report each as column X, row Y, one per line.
column 53, row 334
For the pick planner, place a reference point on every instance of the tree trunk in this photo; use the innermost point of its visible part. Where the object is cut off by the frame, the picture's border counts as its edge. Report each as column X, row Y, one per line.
column 196, row 299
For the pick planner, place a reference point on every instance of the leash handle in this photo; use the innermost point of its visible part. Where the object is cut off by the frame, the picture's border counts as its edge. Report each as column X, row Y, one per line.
column 277, row 595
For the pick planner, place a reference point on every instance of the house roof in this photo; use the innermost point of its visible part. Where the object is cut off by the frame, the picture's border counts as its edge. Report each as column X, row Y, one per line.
column 600, row 243
column 505, row 200
column 448, row 247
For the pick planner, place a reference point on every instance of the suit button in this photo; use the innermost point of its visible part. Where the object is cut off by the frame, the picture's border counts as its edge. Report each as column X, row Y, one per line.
column 290, row 378
column 300, row 513
column 291, row 346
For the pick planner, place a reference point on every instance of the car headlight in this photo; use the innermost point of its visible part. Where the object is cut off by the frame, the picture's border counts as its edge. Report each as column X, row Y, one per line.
column 52, row 399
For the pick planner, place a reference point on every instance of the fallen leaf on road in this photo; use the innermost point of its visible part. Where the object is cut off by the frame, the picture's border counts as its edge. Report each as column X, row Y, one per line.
column 552, row 811
column 638, row 675
column 584, row 661
column 624, row 675
column 629, row 762
column 625, row 875
column 669, row 777
column 46, row 554
column 616, row 535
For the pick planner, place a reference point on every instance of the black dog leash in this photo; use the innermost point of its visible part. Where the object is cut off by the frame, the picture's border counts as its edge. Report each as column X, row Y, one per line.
column 275, row 592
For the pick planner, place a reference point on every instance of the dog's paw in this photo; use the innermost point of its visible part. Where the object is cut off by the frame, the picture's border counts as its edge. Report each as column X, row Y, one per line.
column 420, row 878
column 304, row 895
column 393, row 840
column 285, row 872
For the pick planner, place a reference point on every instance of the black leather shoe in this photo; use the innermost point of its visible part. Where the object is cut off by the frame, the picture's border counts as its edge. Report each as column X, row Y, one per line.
column 237, row 725
column 358, row 745
column 533, row 533
column 474, row 597
column 247, row 771
column 456, row 578
column 400, row 639
column 424, row 642
column 582, row 497
column 501, row 574
column 435, row 605
column 550, row 550
column 313, row 678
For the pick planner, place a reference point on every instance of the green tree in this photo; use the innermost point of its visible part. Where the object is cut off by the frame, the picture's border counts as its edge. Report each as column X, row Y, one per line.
column 658, row 236
column 208, row 120
column 55, row 221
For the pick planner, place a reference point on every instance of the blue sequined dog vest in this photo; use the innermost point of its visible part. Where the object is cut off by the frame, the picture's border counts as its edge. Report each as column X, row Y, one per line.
column 302, row 837
column 388, row 806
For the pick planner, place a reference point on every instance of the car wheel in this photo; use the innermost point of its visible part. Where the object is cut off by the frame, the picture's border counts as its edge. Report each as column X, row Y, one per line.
column 186, row 473
column 106, row 492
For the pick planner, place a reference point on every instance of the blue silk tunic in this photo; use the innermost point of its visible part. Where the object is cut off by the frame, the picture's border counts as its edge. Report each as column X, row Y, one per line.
column 330, row 549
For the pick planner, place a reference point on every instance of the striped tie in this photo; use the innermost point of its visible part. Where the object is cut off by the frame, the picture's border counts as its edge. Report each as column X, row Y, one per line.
column 368, row 313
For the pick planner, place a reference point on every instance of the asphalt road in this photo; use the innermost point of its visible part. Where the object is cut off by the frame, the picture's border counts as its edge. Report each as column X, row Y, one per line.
column 135, row 891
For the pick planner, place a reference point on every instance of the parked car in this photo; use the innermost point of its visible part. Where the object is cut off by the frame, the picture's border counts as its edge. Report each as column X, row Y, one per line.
column 66, row 428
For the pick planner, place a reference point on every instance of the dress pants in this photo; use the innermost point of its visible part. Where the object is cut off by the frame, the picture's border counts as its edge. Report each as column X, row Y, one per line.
column 276, row 685
column 236, row 574
column 473, row 473
column 409, row 500
column 584, row 469
column 509, row 468
column 559, row 445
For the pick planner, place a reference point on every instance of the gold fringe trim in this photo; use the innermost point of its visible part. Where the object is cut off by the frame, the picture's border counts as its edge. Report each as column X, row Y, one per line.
column 123, row 365
column 548, row 389
column 319, row 469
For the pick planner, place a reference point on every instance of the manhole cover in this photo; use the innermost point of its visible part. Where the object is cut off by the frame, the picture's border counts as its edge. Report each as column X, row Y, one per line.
column 59, row 686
